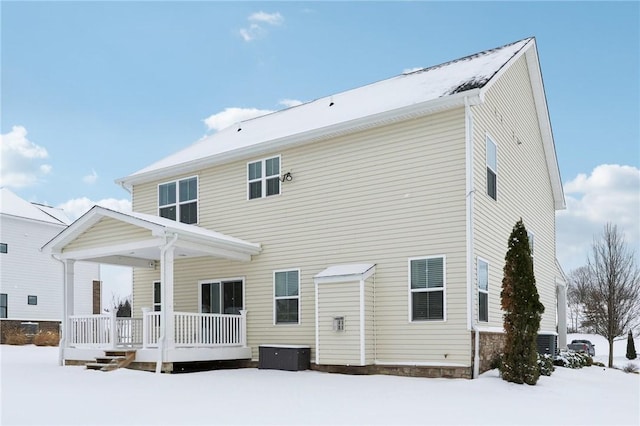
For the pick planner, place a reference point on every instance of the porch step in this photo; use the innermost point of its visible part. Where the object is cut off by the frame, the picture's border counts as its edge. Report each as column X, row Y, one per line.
column 112, row 360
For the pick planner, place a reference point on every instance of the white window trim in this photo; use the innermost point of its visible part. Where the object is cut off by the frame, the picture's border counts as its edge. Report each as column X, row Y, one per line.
column 480, row 259
column 264, row 177
column 488, row 138
column 444, row 289
column 153, row 296
column 220, row 281
column 287, row 324
column 177, row 203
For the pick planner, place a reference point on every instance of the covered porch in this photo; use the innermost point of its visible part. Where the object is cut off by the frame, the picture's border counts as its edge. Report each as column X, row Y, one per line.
column 161, row 335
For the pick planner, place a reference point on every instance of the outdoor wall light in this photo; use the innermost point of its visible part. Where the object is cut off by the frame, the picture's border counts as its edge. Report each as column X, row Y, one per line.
column 287, row 176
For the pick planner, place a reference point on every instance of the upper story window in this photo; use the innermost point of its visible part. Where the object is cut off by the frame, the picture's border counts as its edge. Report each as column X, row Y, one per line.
column 427, row 284
column 263, row 178
column 178, row 200
column 492, row 169
column 4, row 248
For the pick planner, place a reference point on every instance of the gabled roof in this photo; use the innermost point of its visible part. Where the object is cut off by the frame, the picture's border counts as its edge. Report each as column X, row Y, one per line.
column 411, row 94
column 191, row 240
column 12, row 205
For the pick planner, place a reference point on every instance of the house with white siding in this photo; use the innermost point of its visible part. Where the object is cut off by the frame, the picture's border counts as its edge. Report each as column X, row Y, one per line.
column 367, row 228
column 31, row 281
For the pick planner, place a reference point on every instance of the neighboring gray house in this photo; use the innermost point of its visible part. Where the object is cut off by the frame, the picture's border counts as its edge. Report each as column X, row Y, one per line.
column 369, row 226
column 31, row 281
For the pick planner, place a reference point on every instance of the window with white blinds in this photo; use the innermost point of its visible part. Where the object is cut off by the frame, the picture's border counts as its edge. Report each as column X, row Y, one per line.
column 427, row 286
column 286, row 297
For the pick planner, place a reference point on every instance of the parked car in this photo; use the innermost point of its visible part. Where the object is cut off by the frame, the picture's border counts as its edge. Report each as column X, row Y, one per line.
column 583, row 346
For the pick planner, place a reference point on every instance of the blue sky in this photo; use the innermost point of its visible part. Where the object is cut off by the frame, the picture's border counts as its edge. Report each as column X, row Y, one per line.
column 94, row 91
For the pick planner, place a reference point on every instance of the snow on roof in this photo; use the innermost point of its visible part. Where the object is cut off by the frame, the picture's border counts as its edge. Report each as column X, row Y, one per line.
column 405, row 90
column 11, row 204
column 352, row 271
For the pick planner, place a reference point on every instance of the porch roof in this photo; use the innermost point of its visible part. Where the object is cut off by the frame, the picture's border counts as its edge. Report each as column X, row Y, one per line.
column 346, row 273
column 137, row 239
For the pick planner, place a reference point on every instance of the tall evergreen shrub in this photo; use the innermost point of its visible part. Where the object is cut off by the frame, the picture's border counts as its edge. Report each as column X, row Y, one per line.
column 631, row 347
column 522, row 311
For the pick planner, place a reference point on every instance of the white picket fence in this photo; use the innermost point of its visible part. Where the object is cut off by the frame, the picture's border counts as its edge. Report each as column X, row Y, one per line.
column 191, row 330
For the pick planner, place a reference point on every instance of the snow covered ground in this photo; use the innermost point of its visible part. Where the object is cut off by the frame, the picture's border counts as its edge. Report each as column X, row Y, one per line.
column 35, row 391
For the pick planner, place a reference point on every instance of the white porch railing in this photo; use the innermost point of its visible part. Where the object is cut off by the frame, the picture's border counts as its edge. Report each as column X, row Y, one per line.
column 104, row 331
column 194, row 330
column 191, row 330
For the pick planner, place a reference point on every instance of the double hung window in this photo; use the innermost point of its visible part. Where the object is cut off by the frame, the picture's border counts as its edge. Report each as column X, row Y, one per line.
column 427, row 286
column 483, row 291
column 3, row 305
column 492, row 168
column 263, row 178
column 178, row 200
column 287, row 296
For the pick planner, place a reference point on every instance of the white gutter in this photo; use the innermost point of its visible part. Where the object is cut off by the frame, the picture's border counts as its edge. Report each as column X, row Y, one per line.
column 163, row 315
column 470, row 263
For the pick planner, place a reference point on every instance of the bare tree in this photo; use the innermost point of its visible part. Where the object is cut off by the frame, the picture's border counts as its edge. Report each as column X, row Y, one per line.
column 612, row 299
column 577, row 285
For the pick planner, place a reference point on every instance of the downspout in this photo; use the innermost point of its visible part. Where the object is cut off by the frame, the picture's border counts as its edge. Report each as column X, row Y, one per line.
column 163, row 327
column 469, row 201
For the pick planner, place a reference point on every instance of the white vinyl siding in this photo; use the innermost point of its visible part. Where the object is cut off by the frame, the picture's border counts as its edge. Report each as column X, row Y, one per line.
column 339, row 300
column 312, row 225
column 27, row 271
column 509, row 115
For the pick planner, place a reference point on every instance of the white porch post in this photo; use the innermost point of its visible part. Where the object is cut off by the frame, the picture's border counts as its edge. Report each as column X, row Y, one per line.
column 113, row 331
column 562, row 314
column 167, row 329
column 243, row 327
column 145, row 327
column 68, row 310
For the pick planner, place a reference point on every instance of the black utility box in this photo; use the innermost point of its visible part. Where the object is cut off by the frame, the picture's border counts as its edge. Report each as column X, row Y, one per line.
column 284, row 357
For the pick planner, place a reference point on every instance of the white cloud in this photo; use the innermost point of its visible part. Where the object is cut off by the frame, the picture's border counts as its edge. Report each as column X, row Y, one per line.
column 257, row 22
column 290, row 102
column 268, row 18
column 611, row 193
column 21, row 160
column 232, row 116
column 91, row 178
column 78, row 206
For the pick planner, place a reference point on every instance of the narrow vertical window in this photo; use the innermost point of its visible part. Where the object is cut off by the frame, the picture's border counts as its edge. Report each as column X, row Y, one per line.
column 287, row 297
column 179, row 200
column 483, row 291
column 427, row 283
column 263, row 178
column 4, row 305
column 530, row 236
column 492, row 169
column 157, row 296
